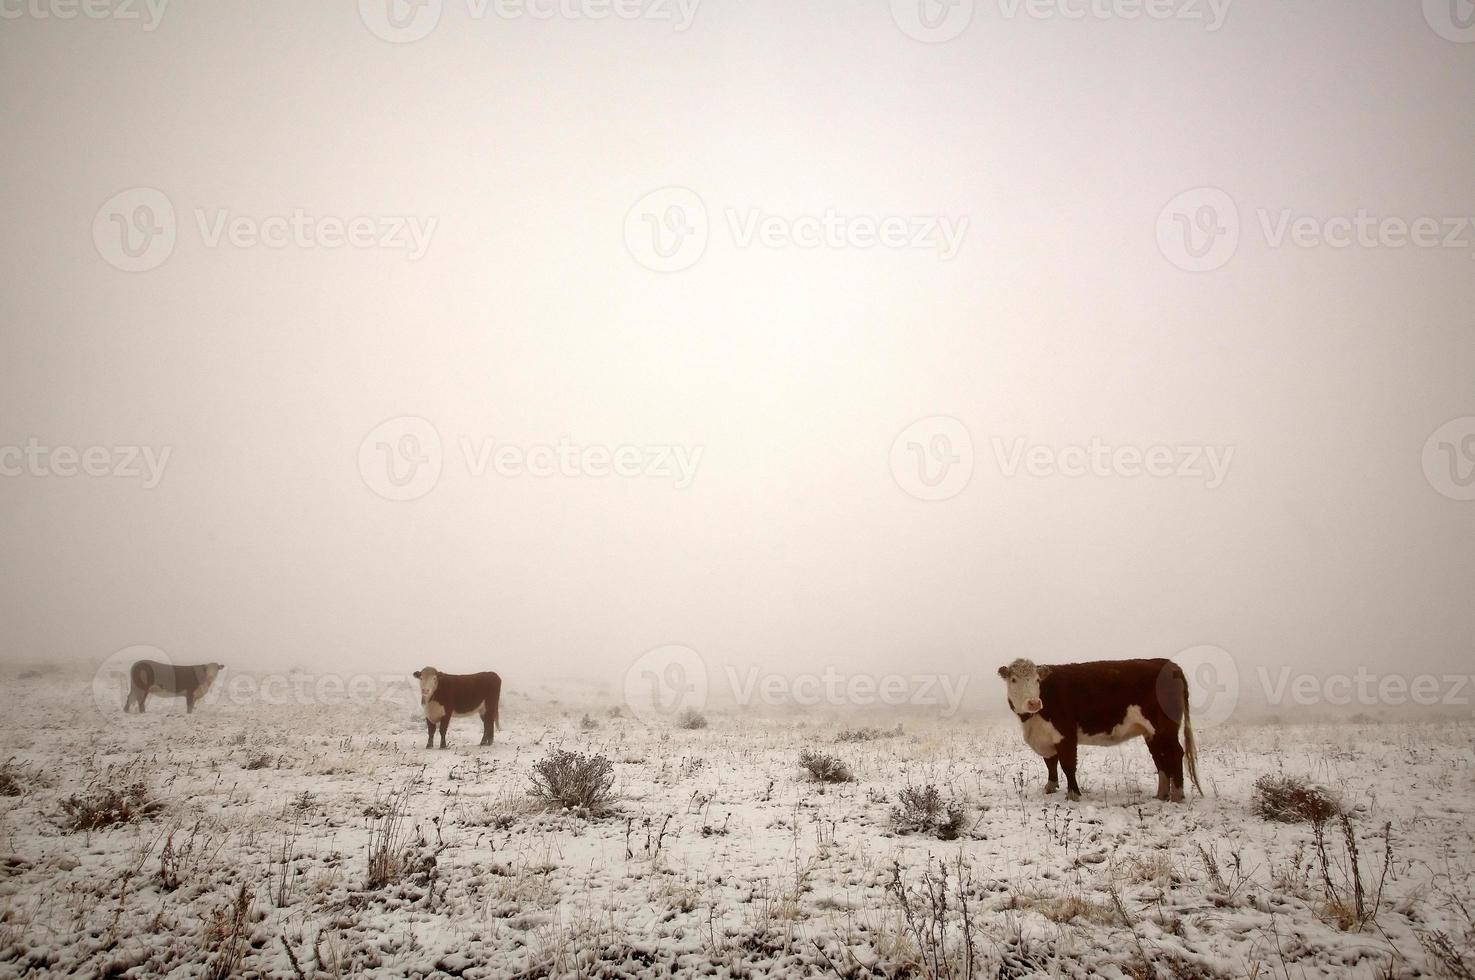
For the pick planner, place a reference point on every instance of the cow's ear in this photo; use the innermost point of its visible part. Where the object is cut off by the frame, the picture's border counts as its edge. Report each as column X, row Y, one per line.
column 417, row 673
column 1004, row 672
column 1043, row 672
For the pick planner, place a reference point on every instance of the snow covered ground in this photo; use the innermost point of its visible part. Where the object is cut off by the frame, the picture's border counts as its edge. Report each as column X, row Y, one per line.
column 251, row 853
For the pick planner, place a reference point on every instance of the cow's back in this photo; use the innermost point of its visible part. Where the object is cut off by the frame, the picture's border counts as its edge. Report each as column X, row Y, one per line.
column 152, row 676
column 464, row 693
column 1093, row 696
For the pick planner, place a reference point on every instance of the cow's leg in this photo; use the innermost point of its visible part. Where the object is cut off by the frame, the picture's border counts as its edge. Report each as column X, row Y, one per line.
column 445, row 723
column 128, row 701
column 1173, row 758
column 189, row 702
column 429, row 734
column 1053, row 764
column 1160, row 761
column 487, row 734
column 143, row 695
column 1066, row 750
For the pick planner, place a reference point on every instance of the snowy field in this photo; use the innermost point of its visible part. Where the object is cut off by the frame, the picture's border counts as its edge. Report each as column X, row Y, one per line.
column 246, row 848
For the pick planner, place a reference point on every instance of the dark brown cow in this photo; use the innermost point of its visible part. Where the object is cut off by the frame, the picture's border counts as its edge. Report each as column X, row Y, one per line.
column 151, row 677
column 1105, row 703
column 445, row 695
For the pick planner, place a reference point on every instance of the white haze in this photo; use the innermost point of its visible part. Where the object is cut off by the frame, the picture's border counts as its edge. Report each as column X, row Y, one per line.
column 527, row 321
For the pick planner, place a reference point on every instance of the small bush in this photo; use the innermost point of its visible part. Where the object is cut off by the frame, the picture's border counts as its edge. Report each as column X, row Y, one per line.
column 587, row 723
column 1289, row 799
column 574, row 781
column 922, row 810
column 258, row 760
column 867, row 734
column 691, row 719
column 824, row 768
column 108, row 806
column 389, row 842
column 16, row 778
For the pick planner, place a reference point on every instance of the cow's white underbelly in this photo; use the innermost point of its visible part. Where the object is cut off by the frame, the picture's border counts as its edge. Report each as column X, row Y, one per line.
column 435, row 711
column 1041, row 736
column 1133, row 725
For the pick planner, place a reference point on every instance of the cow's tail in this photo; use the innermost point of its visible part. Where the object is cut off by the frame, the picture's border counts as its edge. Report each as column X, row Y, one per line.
column 1190, row 747
column 497, row 709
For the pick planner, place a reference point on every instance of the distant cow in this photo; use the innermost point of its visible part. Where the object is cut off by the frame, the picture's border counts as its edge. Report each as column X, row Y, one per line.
column 444, row 695
column 1105, row 703
column 151, row 677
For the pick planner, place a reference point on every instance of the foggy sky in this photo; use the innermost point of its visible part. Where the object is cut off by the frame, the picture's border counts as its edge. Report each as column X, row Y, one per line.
column 528, row 320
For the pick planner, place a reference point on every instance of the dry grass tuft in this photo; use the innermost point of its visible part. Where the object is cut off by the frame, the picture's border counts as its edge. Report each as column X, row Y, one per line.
column 923, row 810
column 105, row 804
column 1290, row 799
column 824, row 768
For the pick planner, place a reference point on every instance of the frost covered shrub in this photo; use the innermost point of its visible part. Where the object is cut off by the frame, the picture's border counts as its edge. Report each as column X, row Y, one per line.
column 691, row 718
column 824, row 768
column 922, row 810
column 107, row 806
column 574, row 781
column 1289, row 799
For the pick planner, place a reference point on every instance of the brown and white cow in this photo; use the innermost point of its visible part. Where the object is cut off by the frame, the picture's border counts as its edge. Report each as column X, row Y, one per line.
column 446, row 695
column 1062, row 706
column 151, row 677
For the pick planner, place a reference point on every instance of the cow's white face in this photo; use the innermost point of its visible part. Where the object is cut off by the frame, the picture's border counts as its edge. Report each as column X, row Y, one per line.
column 429, row 677
column 211, row 670
column 1022, row 679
